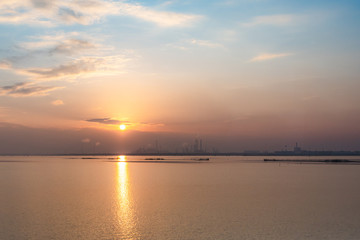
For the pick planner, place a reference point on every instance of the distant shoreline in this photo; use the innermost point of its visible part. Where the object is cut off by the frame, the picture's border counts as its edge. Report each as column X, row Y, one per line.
column 275, row 154
column 313, row 160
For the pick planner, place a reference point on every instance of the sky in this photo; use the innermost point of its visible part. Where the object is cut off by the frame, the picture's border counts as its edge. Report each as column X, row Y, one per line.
column 239, row 74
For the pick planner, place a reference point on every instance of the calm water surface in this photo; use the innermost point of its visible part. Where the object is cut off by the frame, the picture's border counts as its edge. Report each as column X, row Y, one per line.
column 225, row 198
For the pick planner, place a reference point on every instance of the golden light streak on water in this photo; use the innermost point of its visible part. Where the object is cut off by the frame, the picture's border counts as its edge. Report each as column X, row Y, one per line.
column 124, row 206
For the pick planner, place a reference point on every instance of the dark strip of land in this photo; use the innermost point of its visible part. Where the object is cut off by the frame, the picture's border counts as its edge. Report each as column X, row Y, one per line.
column 255, row 153
column 313, row 160
column 154, row 161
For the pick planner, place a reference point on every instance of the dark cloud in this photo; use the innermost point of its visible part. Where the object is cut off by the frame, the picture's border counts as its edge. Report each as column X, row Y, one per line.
column 70, row 16
column 42, row 3
column 106, row 121
column 25, row 89
column 74, row 68
column 111, row 121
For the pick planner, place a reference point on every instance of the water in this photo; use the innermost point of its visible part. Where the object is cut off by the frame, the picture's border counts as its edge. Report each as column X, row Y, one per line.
column 225, row 198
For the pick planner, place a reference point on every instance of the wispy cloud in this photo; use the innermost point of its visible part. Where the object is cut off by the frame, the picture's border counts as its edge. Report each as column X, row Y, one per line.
column 70, row 69
column 47, row 41
column 269, row 56
column 57, row 102
column 26, row 89
column 112, row 121
column 205, row 43
column 23, row 12
column 191, row 43
column 71, row 46
column 70, row 56
column 55, row 12
column 61, row 43
column 106, row 121
column 5, row 64
column 167, row 3
column 51, row 13
column 161, row 18
column 88, row 58
column 276, row 20
column 83, row 67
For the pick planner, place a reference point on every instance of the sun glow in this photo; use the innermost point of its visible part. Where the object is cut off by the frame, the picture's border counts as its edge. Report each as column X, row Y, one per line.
column 122, row 127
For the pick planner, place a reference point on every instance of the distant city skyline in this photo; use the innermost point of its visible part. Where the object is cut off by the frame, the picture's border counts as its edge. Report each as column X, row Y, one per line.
column 243, row 75
column 94, row 141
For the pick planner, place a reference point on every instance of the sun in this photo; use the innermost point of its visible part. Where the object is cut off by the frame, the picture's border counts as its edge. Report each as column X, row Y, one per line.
column 122, row 127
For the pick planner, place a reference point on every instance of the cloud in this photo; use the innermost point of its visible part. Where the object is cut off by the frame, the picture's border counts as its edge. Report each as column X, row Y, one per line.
column 60, row 43
column 74, row 68
column 167, row 3
column 275, row 20
column 23, row 18
column 5, row 64
column 57, row 102
column 42, row 3
column 86, row 66
column 51, row 13
column 204, row 43
column 71, row 46
column 111, row 121
column 161, row 18
column 89, row 58
column 177, row 46
column 82, row 67
column 85, row 12
column 26, row 89
column 69, row 15
column 187, row 44
column 105, row 121
column 267, row 56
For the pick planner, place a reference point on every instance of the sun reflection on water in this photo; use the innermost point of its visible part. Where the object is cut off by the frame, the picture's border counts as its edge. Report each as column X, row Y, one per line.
column 124, row 206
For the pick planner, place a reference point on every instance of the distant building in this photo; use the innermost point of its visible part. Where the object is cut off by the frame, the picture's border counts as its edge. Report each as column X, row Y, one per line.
column 198, row 146
column 297, row 149
column 152, row 148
